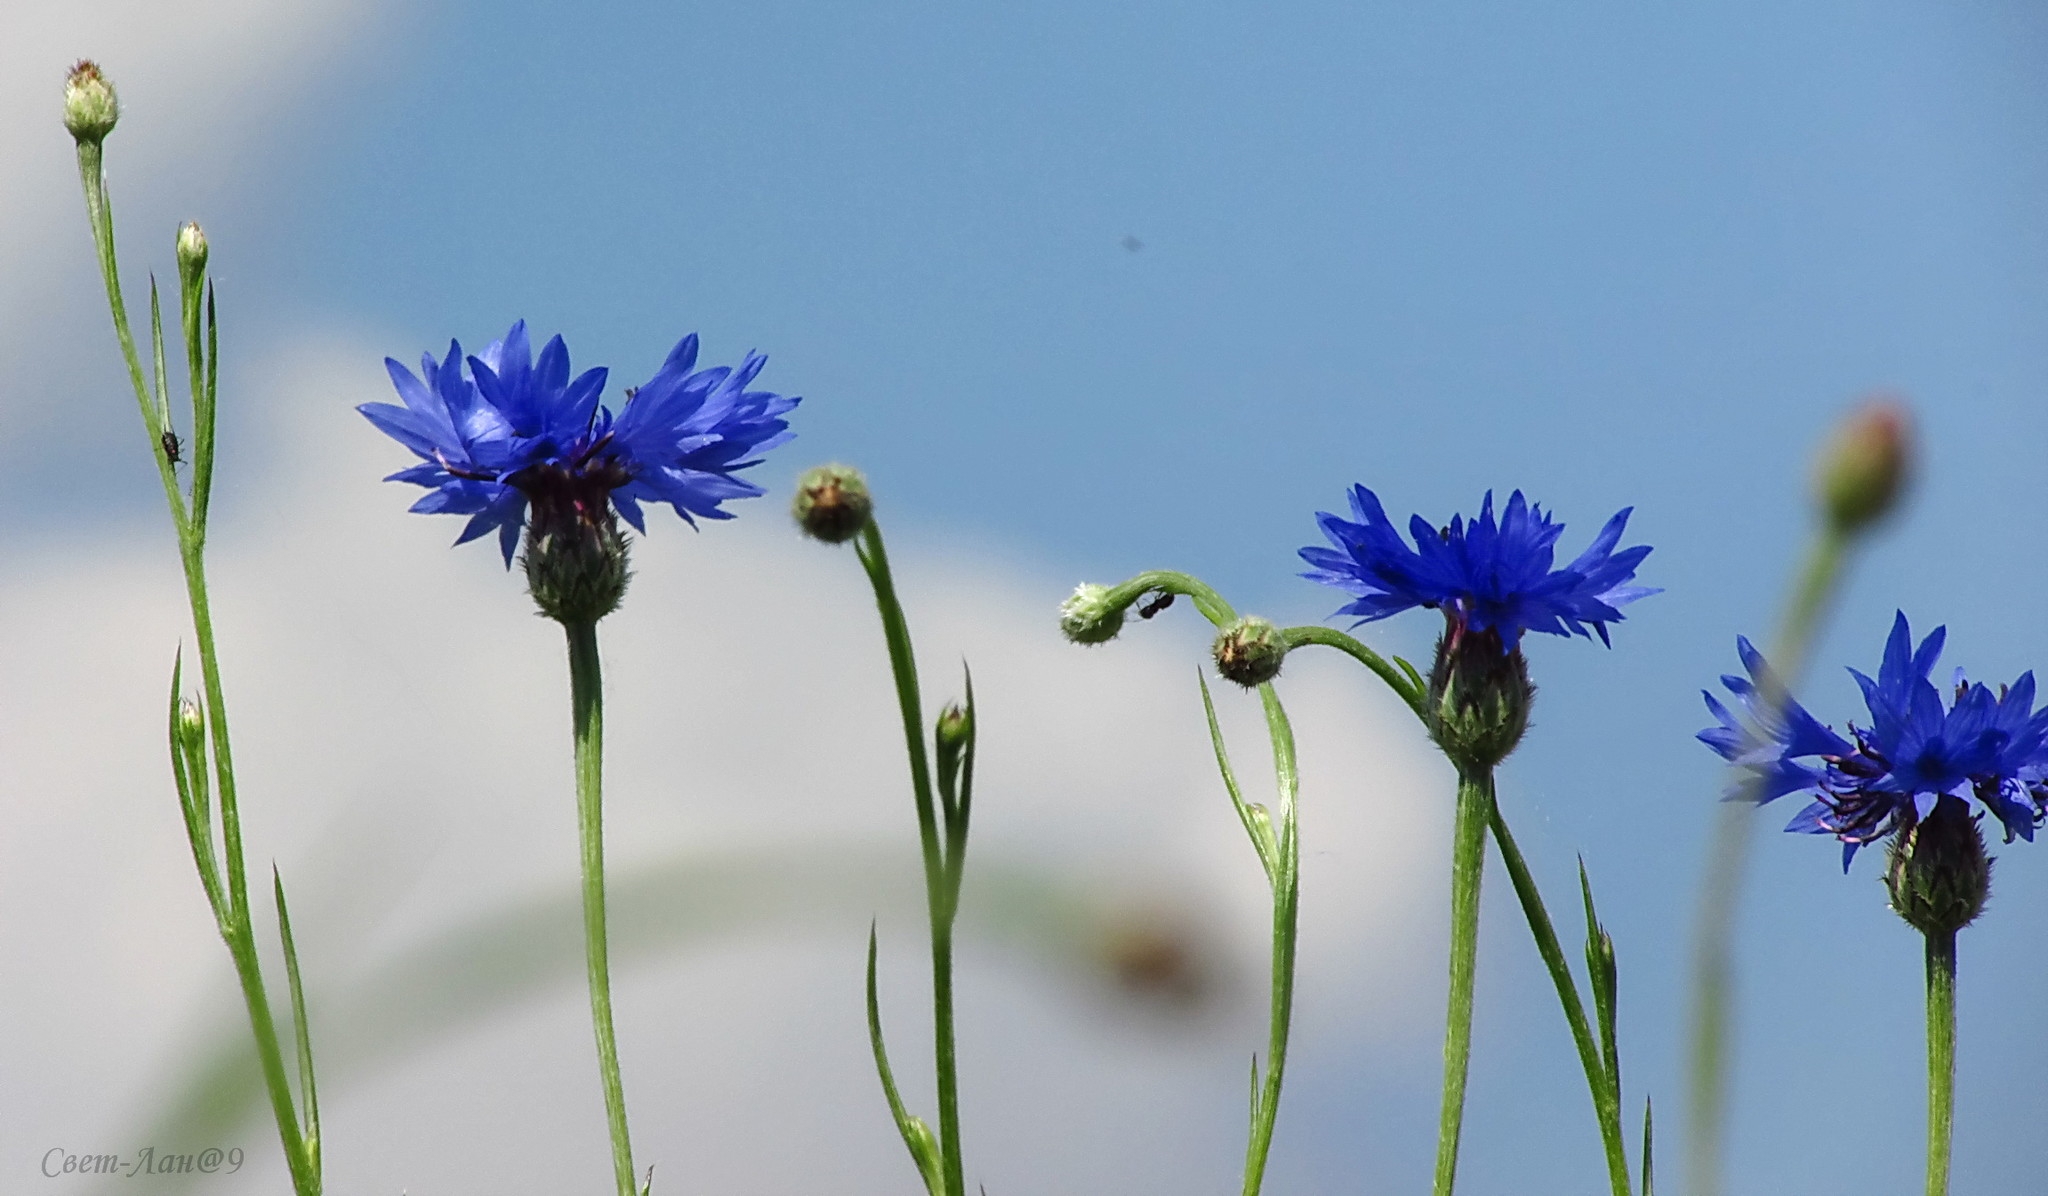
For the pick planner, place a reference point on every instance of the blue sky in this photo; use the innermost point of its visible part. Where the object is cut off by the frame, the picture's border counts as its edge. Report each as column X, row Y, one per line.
column 1624, row 256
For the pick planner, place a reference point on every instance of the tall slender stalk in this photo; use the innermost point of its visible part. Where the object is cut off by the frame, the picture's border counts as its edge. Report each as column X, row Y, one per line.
column 299, row 1138
column 586, row 692
column 1713, row 963
column 1941, row 1057
column 1468, row 865
column 942, row 858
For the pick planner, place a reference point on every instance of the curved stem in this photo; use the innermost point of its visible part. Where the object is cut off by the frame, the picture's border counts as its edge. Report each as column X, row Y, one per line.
column 1713, row 963
column 941, row 897
column 1468, row 864
column 1330, row 637
column 1170, row 581
column 1941, row 1058
column 586, row 693
column 1601, row 1080
column 1285, row 877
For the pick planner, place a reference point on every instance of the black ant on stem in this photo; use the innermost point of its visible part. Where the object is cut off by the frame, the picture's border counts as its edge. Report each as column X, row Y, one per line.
column 1153, row 605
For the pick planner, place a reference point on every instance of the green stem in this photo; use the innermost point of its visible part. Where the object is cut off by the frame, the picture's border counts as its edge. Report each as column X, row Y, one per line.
column 586, row 690
column 1468, row 865
column 1713, row 963
column 231, row 918
column 1602, row 1081
column 1941, row 1058
column 1286, row 885
column 1170, row 581
column 1330, row 637
column 940, row 880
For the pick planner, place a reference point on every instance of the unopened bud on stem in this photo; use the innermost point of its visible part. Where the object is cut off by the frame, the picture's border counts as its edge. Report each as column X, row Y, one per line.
column 191, row 251
column 1249, row 651
column 1479, row 697
column 1866, row 465
column 832, row 503
column 1087, row 617
column 1938, row 873
column 90, row 108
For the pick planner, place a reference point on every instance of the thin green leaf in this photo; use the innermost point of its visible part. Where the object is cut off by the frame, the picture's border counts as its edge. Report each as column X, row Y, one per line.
column 309, row 1098
column 1649, row 1167
column 1600, row 968
column 1256, row 823
column 194, row 799
column 956, row 847
column 917, row 1136
column 1606, row 1099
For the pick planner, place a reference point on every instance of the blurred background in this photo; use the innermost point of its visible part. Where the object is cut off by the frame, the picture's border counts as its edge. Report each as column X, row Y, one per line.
column 1085, row 289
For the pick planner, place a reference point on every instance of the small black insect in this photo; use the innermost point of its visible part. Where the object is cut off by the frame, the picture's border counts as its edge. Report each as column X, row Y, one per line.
column 174, row 448
column 1153, row 605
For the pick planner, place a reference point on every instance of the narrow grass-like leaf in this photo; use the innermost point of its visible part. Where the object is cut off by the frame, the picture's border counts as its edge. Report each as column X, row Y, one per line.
column 1606, row 1100
column 1649, row 1157
column 1256, row 824
column 917, row 1136
column 309, row 1099
column 194, row 799
column 1600, row 969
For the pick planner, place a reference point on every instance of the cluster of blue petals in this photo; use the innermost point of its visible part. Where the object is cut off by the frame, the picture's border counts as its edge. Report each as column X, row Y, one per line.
column 485, row 426
column 1916, row 752
column 1486, row 574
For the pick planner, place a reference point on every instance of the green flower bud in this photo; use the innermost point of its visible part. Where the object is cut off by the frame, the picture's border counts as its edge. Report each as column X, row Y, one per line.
column 1087, row 617
column 1937, row 871
column 1866, row 465
column 955, row 725
column 832, row 503
column 1479, row 697
column 575, row 556
column 1249, row 651
column 90, row 108
column 191, row 725
column 191, row 251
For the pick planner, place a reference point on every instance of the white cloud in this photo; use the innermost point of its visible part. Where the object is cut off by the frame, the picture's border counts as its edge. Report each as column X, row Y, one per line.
column 401, row 723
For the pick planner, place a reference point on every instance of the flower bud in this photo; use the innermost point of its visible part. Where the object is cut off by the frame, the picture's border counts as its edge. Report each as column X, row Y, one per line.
column 1866, row 465
column 191, row 251
column 191, row 724
column 1088, row 617
column 90, row 108
column 832, row 503
column 954, row 727
column 1937, row 872
column 1479, row 697
column 575, row 557
column 1249, row 651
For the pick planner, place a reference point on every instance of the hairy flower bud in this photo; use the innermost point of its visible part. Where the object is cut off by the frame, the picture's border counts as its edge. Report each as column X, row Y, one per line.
column 191, row 724
column 575, row 558
column 1249, row 651
column 1866, row 465
column 1938, row 874
column 191, row 250
column 1479, row 697
column 90, row 108
column 832, row 503
column 1087, row 616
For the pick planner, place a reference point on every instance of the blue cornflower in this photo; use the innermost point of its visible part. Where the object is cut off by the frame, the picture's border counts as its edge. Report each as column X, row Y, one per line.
column 1915, row 755
column 500, row 430
column 1485, row 575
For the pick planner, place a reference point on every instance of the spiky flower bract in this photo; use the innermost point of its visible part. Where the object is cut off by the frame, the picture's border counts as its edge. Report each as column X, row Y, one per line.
column 500, row 430
column 1916, row 756
column 1487, row 574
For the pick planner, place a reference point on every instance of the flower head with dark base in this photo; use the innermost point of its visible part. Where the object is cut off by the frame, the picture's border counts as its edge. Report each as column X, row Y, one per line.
column 502, row 431
column 1918, row 759
column 1493, row 579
